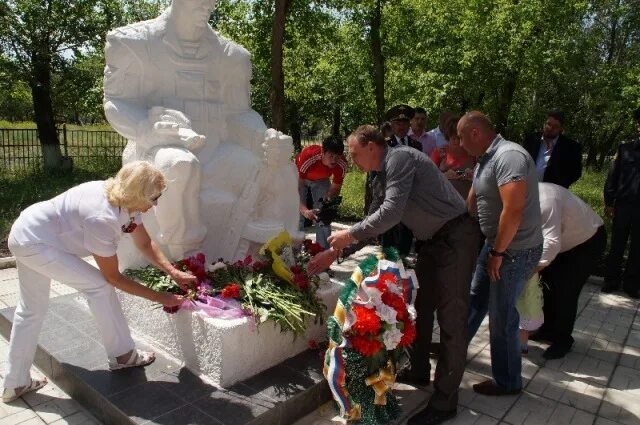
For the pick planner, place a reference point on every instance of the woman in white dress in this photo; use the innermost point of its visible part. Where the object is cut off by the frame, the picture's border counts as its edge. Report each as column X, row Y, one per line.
column 49, row 240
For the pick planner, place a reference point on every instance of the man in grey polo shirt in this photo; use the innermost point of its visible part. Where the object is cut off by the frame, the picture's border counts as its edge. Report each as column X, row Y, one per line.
column 505, row 195
column 409, row 188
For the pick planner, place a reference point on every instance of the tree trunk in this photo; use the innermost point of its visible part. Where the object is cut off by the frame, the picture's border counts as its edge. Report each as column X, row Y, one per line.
column 277, row 73
column 504, row 102
column 43, row 110
column 378, row 59
column 592, row 155
column 335, row 126
column 295, row 126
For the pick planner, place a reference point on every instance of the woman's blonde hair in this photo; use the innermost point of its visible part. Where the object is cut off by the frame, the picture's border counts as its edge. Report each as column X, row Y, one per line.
column 135, row 186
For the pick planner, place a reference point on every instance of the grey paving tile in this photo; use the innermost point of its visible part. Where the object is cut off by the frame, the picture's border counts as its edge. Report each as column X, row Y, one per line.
column 62, row 338
column 20, row 417
column 187, row 415
column 630, row 357
column 8, row 409
column 567, row 389
column 185, row 384
column 8, row 274
column 621, row 407
column 471, row 417
column 78, row 418
column 56, row 409
column 532, row 409
column 145, row 402
column 235, row 409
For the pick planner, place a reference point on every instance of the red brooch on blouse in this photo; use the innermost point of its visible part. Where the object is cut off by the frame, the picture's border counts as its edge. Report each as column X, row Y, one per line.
column 130, row 227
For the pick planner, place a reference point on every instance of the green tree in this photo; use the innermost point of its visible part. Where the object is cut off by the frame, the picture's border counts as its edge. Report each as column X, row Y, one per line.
column 39, row 37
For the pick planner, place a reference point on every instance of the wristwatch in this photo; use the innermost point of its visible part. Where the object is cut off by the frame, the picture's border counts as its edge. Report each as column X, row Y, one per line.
column 495, row 253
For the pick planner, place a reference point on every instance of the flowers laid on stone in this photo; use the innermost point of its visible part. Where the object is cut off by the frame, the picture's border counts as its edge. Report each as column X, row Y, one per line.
column 373, row 324
column 273, row 287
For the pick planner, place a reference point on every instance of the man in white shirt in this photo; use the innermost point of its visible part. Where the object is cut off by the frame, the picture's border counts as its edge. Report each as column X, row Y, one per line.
column 417, row 131
column 574, row 240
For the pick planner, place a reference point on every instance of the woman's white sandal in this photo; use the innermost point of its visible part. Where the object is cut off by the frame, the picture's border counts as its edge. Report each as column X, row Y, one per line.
column 136, row 359
column 12, row 394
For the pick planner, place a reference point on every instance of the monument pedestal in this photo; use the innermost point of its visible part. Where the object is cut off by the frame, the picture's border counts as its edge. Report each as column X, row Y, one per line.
column 226, row 351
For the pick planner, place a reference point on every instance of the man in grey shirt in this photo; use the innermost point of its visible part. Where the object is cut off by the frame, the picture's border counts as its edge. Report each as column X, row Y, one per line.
column 505, row 195
column 409, row 188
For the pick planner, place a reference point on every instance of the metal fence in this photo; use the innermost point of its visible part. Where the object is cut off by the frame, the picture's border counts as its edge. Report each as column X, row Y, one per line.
column 20, row 149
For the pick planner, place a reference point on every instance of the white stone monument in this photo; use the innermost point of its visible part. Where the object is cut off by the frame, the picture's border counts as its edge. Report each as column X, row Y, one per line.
column 180, row 94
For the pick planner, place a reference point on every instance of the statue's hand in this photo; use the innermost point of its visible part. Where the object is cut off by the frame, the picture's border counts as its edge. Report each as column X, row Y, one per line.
column 170, row 127
column 191, row 140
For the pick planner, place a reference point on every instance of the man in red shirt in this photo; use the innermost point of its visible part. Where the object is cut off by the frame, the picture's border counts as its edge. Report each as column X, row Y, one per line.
column 316, row 165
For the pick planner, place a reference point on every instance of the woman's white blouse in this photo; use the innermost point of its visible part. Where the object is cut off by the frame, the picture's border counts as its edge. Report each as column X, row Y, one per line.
column 80, row 221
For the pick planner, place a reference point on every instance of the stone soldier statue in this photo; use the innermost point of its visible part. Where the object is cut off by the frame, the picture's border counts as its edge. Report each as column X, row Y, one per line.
column 180, row 94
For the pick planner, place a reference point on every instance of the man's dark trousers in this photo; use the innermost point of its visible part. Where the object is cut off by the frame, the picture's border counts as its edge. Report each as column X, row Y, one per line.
column 399, row 237
column 444, row 270
column 626, row 221
column 563, row 280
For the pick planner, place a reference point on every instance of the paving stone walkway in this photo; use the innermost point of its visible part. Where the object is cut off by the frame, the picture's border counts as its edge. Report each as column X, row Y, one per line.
column 597, row 383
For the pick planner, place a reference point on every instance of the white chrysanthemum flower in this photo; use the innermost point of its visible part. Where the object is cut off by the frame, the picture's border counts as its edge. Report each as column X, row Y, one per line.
column 395, row 289
column 217, row 266
column 391, row 338
column 287, row 256
column 413, row 314
column 375, row 295
column 387, row 314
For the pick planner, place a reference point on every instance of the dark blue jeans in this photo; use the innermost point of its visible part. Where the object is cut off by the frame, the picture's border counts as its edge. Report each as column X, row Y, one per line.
column 499, row 299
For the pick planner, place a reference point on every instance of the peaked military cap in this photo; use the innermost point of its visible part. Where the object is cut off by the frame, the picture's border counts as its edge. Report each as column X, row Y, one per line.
column 400, row 112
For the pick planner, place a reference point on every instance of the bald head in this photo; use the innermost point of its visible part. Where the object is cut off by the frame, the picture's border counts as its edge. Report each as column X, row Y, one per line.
column 475, row 119
column 476, row 132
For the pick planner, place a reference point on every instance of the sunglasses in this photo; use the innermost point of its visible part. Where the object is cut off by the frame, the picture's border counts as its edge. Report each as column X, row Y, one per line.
column 155, row 198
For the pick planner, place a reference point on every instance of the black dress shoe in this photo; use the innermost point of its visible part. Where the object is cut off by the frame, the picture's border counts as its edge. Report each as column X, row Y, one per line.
column 610, row 286
column 541, row 336
column 431, row 416
column 632, row 292
column 556, row 351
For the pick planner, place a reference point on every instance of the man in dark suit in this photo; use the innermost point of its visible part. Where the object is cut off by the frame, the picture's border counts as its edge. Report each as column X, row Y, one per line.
column 622, row 201
column 558, row 159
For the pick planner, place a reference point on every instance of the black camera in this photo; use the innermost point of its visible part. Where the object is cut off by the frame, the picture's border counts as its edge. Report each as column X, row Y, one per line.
column 328, row 210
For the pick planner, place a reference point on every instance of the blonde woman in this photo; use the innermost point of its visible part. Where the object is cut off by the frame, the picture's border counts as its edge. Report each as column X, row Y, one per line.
column 49, row 240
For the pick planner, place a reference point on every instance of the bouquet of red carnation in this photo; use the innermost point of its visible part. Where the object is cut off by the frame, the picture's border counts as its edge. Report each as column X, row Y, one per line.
column 381, row 318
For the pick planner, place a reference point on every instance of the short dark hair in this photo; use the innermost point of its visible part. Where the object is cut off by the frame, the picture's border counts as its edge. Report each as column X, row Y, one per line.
column 451, row 127
column 636, row 115
column 420, row 110
column 558, row 115
column 385, row 126
column 368, row 133
column 333, row 144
